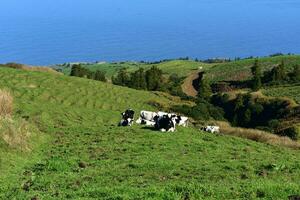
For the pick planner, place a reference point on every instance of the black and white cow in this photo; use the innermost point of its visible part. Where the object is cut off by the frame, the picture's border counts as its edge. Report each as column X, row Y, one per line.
column 180, row 120
column 127, row 118
column 147, row 118
column 165, row 123
column 211, row 129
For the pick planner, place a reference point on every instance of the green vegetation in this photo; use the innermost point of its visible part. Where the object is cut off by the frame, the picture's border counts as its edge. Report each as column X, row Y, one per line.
column 87, row 156
column 181, row 67
column 256, row 111
column 241, row 69
column 151, row 79
column 204, row 89
column 256, row 72
column 79, row 71
column 290, row 90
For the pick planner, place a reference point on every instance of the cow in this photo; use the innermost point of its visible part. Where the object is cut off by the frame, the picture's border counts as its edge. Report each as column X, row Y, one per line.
column 180, row 120
column 127, row 118
column 126, row 122
column 147, row 118
column 165, row 123
column 211, row 129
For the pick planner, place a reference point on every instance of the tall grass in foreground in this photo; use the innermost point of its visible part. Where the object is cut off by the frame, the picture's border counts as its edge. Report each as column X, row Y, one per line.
column 14, row 133
column 258, row 135
column 6, row 104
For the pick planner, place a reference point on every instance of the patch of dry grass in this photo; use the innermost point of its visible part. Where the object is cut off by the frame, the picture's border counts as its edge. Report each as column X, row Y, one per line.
column 41, row 69
column 6, row 104
column 31, row 68
column 257, row 135
column 15, row 133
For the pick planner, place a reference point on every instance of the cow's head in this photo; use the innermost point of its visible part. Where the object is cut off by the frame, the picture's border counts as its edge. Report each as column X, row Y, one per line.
column 129, row 113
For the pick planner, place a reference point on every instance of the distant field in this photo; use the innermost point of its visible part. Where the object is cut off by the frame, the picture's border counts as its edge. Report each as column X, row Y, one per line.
column 241, row 70
column 180, row 67
column 291, row 91
column 88, row 157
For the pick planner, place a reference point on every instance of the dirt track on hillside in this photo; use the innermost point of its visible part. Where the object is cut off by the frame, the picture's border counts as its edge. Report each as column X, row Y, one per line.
column 188, row 84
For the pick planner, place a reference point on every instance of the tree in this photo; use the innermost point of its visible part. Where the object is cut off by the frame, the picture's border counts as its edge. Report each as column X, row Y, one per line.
column 154, row 79
column 256, row 72
column 79, row 71
column 278, row 73
column 76, row 70
column 295, row 75
column 122, row 78
column 100, row 76
column 138, row 79
column 204, row 89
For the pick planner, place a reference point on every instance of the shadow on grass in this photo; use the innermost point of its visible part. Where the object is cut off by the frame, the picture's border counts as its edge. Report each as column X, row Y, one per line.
column 150, row 128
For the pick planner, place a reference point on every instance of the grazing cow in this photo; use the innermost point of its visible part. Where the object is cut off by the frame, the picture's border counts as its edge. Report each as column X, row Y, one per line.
column 165, row 123
column 146, row 117
column 127, row 118
column 211, row 129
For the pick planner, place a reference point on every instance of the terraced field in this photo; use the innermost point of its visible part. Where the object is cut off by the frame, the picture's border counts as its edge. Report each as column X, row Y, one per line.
column 241, row 70
column 291, row 91
column 86, row 156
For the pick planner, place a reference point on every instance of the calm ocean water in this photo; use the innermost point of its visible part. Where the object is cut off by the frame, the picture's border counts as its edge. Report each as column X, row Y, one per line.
column 56, row 31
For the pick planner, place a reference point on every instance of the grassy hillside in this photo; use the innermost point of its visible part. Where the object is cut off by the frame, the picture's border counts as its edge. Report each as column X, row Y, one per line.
column 180, row 67
column 241, row 70
column 89, row 157
column 291, row 91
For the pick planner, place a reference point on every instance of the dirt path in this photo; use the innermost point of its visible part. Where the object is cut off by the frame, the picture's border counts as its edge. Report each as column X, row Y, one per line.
column 188, row 84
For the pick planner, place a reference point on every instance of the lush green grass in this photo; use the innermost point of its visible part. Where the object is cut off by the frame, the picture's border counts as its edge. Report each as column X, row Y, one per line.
column 290, row 91
column 89, row 157
column 180, row 67
column 241, row 70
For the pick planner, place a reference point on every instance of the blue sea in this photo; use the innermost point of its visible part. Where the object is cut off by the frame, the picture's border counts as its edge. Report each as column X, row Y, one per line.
column 57, row 31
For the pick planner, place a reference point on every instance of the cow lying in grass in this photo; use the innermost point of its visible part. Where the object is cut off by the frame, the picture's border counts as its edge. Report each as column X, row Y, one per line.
column 211, row 129
column 127, row 118
column 180, row 120
column 165, row 123
column 147, row 118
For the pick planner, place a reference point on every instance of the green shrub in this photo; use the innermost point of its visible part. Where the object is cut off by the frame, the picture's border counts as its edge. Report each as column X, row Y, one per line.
column 291, row 132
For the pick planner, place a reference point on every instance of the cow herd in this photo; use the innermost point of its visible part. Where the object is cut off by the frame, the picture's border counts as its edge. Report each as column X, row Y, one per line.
column 162, row 121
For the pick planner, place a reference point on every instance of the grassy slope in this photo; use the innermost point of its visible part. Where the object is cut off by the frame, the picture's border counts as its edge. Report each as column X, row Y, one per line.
column 291, row 91
column 133, row 163
column 241, row 70
column 180, row 67
column 236, row 70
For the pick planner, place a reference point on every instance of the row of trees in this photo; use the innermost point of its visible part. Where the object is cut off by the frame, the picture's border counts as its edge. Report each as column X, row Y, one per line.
column 276, row 75
column 79, row 71
column 151, row 79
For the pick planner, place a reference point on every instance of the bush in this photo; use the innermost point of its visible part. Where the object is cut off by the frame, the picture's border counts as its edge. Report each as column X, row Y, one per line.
column 100, row 76
column 204, row 89
column 202, row 111
column 6, row 104
column 291, row 132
